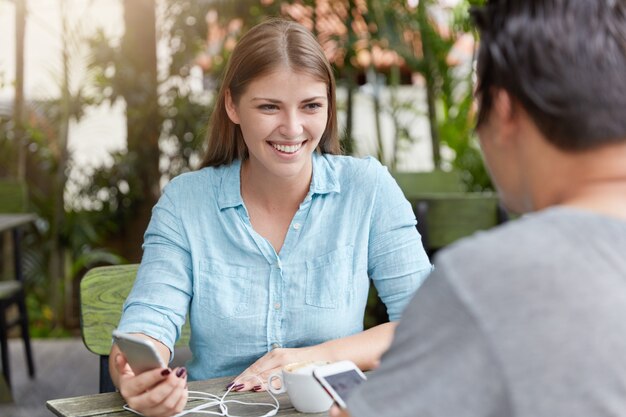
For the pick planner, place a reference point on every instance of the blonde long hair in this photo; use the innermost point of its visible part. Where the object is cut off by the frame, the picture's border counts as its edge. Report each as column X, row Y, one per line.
column 264, row 48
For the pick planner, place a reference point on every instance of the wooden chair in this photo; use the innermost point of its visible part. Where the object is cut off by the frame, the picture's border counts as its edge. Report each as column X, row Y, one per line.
column 13, row 198
column 443, row 218
column 102, row 293
column 443, row 210
column 417, row 183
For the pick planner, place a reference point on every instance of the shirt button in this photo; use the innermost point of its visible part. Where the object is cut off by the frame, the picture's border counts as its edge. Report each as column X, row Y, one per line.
column 297, row 226
column 277, row 306
column 275, row 345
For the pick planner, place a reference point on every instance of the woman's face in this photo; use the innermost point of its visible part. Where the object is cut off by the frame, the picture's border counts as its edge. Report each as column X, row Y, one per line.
column 282, row 116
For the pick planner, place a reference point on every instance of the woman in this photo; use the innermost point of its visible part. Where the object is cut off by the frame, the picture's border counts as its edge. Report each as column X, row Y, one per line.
column 271, row 245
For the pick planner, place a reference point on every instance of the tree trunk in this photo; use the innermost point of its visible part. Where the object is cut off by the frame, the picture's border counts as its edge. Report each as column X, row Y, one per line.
column 58, row 250
column 18, row 106
column 143, row 121
column 430, row 75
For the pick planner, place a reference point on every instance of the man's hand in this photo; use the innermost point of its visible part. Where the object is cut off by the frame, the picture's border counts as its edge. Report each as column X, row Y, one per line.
column 335, row 411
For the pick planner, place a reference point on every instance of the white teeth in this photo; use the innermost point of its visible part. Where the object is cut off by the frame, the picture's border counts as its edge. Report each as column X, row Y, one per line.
column 287, row 149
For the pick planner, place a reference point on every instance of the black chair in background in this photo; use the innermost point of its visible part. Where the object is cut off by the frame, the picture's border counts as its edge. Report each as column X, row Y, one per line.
column 12, row 297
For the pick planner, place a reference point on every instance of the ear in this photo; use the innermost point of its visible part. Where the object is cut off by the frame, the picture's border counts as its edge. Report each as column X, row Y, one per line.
column 231, row 107
column 504, row 110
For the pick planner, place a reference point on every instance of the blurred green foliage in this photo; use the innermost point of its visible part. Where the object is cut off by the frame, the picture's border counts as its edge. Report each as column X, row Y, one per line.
column 102, row 200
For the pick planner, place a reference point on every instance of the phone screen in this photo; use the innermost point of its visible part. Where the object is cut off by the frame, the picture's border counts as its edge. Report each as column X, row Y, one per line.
column 344, row 382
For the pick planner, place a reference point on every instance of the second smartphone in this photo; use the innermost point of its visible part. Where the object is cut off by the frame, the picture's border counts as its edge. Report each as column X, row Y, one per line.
column 339, row 379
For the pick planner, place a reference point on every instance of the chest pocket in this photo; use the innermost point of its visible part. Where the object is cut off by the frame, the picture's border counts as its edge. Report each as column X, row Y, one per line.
column 224, row 290
column 329, row 278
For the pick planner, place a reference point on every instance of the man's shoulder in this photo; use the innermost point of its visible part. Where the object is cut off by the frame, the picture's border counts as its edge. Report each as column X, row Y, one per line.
column 533, row 242
column 516, row 242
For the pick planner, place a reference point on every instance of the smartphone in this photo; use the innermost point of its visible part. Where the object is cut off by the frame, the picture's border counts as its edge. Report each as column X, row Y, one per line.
column 140, row 353
column 339, row 379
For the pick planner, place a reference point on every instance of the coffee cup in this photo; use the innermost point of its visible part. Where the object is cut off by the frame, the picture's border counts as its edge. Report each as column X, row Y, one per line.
column 305, row 393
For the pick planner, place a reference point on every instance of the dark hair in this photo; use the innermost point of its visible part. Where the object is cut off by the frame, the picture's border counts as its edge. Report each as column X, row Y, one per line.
column 266, row 47
column 564, row 61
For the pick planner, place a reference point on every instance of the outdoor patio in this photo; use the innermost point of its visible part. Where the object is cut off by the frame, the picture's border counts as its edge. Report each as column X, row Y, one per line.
column 65, row 368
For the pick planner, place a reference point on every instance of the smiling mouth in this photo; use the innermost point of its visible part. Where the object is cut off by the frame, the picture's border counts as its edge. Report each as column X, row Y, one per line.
column 287, row 148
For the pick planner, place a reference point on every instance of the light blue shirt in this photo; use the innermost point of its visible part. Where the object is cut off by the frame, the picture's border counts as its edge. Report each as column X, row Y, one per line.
column 202, row 256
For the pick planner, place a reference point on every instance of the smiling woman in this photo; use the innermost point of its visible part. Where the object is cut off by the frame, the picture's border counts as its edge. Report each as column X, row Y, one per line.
column 282, row 117
column 273, row 239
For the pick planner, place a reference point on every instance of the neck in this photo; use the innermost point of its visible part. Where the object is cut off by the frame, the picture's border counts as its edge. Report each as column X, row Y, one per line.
column 606, row 196
column 591, row 180
column 273, row 193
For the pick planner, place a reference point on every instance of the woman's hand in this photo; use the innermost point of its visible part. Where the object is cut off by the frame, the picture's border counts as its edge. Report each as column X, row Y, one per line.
column 273, row 362
column 364, row 349
column 156, row 393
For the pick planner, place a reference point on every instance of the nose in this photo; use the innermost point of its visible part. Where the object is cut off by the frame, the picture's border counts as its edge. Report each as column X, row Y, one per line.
column 291, row 125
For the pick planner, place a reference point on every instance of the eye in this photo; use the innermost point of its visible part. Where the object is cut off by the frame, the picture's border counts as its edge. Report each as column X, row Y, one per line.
column 313, row 106
column 268, row 107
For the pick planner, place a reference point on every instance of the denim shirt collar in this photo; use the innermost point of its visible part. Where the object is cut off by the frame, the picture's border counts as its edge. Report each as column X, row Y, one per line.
column 324, row 181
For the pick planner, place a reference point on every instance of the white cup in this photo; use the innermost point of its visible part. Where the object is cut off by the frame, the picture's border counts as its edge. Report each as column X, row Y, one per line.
column 305, row 393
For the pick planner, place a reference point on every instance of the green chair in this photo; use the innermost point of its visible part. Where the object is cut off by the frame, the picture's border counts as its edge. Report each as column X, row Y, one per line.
column 102, row 293
column 446, row 217
column 13, row 198
column 417, row 183
column 444, row 211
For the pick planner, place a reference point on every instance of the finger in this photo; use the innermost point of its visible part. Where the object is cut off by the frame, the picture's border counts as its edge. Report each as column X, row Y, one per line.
column 132, row 385
column 162, row 399
column 251, row 382
column 175, row 400
column 182, row 402
column 335, row 411
column 261, row 369
column 122, row 366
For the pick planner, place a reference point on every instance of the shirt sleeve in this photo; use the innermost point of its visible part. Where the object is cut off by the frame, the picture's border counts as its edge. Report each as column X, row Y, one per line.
column 439, row 364
column 158, row 303
column 397, row 262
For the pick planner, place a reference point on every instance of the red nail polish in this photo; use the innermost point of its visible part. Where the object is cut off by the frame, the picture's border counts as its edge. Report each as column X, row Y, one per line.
column 181, row 372
column 165, row 372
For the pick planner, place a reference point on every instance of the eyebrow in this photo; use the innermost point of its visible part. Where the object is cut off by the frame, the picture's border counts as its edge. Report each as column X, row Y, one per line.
column 271, row 100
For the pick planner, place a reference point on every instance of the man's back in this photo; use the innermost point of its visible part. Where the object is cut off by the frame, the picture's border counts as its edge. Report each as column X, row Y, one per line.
column 529, row 320
column 549, row 294
column 525, row 320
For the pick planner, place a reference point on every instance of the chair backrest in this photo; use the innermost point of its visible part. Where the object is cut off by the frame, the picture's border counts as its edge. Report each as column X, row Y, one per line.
column 102, row 293
column 13, row 196
column 417, row 183
column 446, row 217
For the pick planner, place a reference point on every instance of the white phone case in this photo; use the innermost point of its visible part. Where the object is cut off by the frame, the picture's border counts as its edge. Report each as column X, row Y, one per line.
column 141, row 354
column 339, row 379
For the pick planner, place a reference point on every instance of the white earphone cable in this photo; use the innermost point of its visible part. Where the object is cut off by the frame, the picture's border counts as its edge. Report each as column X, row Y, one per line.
column 212, row 400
